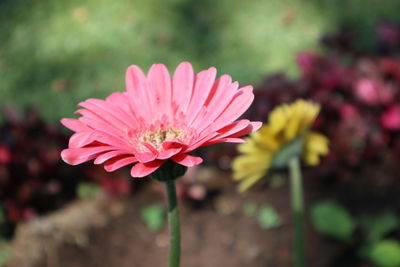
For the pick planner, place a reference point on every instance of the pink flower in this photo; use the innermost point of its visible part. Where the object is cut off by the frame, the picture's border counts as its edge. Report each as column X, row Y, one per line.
column 348, row 111
column 367, row 91
column 390, row 119
column 373, row 92
column 159, row 118
column 5, row 155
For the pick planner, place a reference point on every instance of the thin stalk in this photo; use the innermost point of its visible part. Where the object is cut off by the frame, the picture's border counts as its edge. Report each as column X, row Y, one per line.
column 298, row 209
column 174, row 225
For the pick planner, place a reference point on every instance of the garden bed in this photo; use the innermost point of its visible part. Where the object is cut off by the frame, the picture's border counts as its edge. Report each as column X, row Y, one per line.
column 104, row 231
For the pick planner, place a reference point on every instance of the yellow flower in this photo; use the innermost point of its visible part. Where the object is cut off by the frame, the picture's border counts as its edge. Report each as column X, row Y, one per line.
column 285, row 124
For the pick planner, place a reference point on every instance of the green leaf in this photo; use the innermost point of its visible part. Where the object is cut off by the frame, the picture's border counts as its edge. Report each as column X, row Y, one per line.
column 333, row 220
column 267, row 218
column 5, row 255
column 153, row 216
column 87, row 190
column 386, row 253
column 376, row 227
column 286, row 153
column 250, row 208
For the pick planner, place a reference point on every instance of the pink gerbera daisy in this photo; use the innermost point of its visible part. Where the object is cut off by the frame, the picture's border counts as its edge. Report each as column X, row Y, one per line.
column 159, row 118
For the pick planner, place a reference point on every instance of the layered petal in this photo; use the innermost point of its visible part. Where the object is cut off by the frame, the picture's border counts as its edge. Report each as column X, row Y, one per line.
column 159, row 81
column 144, row 169
column 187, row 160
column 159, row 118
column 75, row 156
column 116, row 163
column 182, row 83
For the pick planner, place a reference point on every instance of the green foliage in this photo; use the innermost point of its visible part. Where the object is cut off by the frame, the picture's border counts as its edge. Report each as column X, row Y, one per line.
column 87, row 190
column 267, row 218
column 153, row 216
column 385, row 253
column 5, row 255
column 333, row 220
column 68, row 51
column 286, row 153
column 250, row 208
column 376, row 227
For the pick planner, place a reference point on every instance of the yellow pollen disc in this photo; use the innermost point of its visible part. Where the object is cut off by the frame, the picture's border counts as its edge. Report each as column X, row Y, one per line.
column 157, row 137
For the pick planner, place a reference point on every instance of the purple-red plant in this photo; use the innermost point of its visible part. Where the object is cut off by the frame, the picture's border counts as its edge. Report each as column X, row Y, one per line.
column 33, row 179
column 359, row 93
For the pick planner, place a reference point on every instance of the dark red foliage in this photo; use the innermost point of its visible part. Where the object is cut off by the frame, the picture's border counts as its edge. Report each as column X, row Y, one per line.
column 33, row 178
column 359, row 93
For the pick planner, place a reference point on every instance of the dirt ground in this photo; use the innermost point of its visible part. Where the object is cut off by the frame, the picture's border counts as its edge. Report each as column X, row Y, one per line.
column 216, row 233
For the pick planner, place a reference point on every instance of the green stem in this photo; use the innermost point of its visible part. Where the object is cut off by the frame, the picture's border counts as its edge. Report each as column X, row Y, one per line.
column 298, row 208
column 174, row 226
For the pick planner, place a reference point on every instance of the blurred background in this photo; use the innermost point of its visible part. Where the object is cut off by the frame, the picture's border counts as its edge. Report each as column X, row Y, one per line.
column 343, row 54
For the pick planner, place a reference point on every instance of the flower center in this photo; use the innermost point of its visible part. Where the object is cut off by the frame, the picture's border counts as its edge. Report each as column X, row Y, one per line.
column 157, row 137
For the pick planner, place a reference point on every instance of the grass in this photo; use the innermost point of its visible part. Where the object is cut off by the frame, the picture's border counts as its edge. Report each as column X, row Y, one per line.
column 56, row 53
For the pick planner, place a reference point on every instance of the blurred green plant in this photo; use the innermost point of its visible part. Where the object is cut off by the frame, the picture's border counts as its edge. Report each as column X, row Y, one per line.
column 266, row 216
column 87, row 190
column 5, row 255
column 377, row 227
column 67, row 51
column 250, row 208
column 153, row 216
column 385, row 253
column 333, row 220
column 373, row 244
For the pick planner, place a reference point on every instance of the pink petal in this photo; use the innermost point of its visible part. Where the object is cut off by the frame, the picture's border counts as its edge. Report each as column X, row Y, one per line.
column 145, row 157
column 159, row 81
column 187, row 160
column 104, row 112
column 204, row 82
column 116, row 163
column 144, row 169
column 217, row 106
column 108, row 155
column 238, row 129
column 169, row 149
column 75, row 156
column 115, row 110
column 81, row 139
column 239, row 104
column 233, row 140
column 137, row 90
column 252, row 127
column 95, row 121
column 228, row 131
column 224, row 140
column 182, row 86
column 121, row 100
column 75, row 125
column 228, row 134
column 218, row 89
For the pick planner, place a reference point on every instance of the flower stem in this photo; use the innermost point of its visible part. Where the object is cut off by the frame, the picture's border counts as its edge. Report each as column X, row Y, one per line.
column 174, row 225
column 297, row 207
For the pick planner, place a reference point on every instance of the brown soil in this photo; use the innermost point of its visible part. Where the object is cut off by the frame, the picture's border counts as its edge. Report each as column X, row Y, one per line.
column 216, row 234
